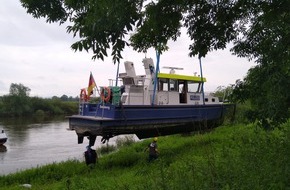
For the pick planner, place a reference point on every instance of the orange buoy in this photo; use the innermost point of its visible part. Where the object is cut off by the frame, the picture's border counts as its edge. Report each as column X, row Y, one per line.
column 106, row 96
column 83, row 95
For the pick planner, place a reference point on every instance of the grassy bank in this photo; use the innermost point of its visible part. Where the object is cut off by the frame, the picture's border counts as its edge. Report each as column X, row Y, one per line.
column 230, row 157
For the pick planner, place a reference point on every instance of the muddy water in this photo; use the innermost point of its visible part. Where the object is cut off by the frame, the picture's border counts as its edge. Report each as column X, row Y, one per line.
column 34, row 143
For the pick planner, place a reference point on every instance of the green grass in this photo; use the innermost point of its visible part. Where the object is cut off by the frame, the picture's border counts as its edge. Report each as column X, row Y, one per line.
column 230, row 157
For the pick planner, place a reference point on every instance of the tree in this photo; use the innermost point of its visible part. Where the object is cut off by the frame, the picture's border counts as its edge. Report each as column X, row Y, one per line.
column 210, row 24
column 103, row 24
column 64, row 98
column 267, row 41
column 224, row 93
column 17, row 103
column 258, row 29
column 267, row 88
column 19, row 90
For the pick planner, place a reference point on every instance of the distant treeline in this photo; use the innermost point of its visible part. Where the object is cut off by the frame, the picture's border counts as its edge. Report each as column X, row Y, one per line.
column 18, row 103
column 16, row 106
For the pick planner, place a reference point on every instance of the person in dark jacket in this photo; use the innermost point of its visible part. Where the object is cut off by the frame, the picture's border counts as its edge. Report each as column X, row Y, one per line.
column 153, row 151
column 90, row 156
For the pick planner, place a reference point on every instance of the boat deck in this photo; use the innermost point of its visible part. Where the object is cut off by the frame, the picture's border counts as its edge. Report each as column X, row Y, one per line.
column 96, row 118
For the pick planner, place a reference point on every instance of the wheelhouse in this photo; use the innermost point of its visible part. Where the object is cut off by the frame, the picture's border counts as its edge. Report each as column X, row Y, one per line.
column 181, row 86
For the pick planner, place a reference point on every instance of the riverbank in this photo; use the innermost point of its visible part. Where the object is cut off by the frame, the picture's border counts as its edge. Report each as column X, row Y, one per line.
column 230, row 157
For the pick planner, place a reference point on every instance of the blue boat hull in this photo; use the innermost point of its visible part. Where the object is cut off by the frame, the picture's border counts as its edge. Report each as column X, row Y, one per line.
column 145, row 121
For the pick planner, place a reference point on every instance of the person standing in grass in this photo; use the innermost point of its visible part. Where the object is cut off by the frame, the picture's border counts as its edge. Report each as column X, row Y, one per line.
column 90, row 156
column 153, row 151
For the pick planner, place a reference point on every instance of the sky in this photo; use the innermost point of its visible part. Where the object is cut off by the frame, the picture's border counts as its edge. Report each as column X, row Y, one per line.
column 39, row 56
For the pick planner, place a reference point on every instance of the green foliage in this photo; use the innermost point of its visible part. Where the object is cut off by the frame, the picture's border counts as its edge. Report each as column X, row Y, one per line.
column 126, row 140
column 231, row 157
column 210, row 25
column 17, row 102
column 39, row 113
column 14, row 105
column 267, row 84
column 243, row 113
column 268, row 96
column 126, row 157
column 43, row 8
column 224, row 93
column 160, row 22
column 121, row 141
column 105, row 149
column 49, row 173
column 18, row 90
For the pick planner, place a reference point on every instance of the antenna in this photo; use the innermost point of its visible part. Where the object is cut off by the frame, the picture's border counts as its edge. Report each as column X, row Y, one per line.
column 172, row 69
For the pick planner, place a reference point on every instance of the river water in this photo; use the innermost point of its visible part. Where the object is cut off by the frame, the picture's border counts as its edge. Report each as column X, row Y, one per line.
column 33, row 143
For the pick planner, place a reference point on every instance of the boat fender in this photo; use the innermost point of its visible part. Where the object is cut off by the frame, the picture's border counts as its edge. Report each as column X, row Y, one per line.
column 106, row 96
column 83, row 95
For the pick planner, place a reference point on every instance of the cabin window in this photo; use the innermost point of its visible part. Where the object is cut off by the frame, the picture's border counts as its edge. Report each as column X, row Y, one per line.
column 182, row 86
column 206, row 99
column 213, row 99
column 163, row 85
column 172, row 85
column 194, row 86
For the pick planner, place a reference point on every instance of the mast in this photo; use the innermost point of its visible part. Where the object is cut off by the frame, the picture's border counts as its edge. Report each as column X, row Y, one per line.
column 201, row 77
column 156, row 74
column 117, row 74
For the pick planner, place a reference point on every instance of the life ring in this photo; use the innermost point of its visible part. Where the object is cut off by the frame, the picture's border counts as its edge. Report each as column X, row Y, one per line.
column 83, row 95
column 106, row 96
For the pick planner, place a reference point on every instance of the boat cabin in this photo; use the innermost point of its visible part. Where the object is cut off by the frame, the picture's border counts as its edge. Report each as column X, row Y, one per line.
column 170, row 88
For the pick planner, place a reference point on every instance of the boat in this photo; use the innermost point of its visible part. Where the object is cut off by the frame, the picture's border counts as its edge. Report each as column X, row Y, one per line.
column 154, row 104
column 3, row 137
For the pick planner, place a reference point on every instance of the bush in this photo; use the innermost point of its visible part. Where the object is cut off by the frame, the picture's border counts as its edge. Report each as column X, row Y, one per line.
column 126, row 140
column 39, row 113
column 105, row 149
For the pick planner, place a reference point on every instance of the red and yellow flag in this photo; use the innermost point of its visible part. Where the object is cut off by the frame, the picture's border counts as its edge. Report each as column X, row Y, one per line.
column 92, row 85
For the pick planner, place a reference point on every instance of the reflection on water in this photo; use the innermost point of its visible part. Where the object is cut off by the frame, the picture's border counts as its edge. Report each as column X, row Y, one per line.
column 32, row 143
column 3, row 148
column 19, row 128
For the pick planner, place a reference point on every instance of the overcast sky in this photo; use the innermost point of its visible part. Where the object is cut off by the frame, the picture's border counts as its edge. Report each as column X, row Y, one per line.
column 38, row 55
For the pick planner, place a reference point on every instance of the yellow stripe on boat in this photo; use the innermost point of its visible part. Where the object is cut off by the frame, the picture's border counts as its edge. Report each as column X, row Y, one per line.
column 181, row 77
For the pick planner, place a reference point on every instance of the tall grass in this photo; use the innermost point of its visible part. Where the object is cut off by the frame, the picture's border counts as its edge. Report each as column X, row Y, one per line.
column 230, row 157
column 121, row 141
